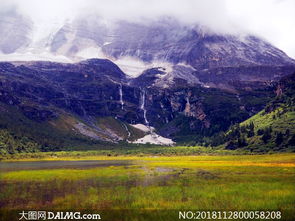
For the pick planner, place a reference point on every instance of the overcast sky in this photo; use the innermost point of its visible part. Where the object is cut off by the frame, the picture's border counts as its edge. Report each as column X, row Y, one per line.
column 273, row 20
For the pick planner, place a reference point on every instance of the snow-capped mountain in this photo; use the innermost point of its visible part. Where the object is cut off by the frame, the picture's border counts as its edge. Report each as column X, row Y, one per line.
column 166, row 40
column 178, row 51
column 15, row 31
column 183, row 80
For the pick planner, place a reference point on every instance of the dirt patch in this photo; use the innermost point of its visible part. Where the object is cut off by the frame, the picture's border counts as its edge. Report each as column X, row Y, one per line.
column 206, row 175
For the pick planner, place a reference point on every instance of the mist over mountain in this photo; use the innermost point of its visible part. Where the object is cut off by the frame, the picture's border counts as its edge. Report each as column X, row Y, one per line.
column 271, row 20
column 164, row 42
column 15, row 31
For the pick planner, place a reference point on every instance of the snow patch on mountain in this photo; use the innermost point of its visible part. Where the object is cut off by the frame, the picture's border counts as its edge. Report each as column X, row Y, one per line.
column 134, row 67
column 131, row 66
column 30, row 56
column 154, row 139
column 91, row 52
column 142, row 127
column 181, row 71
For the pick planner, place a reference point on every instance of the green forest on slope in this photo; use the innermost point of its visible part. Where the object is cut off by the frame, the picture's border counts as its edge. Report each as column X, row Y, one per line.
column 272, row 128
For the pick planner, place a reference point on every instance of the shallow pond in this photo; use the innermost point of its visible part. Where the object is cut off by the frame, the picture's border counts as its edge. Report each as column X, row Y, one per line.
column 56, row 164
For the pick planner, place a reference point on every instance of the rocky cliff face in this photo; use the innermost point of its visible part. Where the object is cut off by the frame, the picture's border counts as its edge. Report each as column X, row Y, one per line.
column 165, row 52
column 45, row 91
column 168, row 40
column 189, row 83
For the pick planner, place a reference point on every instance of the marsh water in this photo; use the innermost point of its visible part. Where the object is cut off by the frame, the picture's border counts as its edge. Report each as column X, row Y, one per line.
column 159, row 183
column 57, row 164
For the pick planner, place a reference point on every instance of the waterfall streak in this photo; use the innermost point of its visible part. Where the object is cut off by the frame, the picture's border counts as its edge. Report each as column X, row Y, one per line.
column 121, row 96
column 142, row 106
column 126, row 128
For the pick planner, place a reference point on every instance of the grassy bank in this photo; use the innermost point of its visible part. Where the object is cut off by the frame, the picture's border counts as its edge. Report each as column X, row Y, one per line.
column 140, row 150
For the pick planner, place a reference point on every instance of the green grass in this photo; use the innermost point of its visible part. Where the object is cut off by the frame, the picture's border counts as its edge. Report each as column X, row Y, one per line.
column 137, row 150
column 162, row 184
column 278, row 120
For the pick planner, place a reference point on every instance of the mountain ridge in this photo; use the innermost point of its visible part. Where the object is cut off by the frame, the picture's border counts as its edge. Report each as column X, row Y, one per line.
column 272, row 129
column 190, row 84
column 47, row 92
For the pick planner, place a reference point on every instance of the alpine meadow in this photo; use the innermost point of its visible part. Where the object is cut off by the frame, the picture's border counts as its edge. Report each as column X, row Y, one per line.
column 147, row 110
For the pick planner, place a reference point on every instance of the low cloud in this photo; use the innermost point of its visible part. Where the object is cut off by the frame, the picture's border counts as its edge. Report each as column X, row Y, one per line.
column 273, row 20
